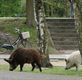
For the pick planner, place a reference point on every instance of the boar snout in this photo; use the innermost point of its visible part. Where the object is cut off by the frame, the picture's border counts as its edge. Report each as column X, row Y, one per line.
column 11, row 69
column 66, row 68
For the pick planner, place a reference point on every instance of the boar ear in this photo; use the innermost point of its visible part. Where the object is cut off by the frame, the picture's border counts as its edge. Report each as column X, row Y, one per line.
column 65, row 60
column 8, row 60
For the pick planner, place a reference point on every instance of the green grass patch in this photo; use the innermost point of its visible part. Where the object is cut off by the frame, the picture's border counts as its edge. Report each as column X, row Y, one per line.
column 24, row 28
column 8, row 26
column 54, row 70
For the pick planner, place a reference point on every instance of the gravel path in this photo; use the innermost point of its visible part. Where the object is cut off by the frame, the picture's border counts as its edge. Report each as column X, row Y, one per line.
column 34, row 76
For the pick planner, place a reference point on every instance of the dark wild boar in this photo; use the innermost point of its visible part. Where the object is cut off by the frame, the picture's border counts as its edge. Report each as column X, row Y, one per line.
column 21, row 56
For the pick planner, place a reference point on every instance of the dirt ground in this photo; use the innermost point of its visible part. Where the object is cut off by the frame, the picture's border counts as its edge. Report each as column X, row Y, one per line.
column 54, row 63
column 58, row 63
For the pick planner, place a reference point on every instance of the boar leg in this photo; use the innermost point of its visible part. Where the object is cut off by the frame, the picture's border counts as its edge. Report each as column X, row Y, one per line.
column 21, row 66
column 76, row 67
column 39, row 66
column 33, row 65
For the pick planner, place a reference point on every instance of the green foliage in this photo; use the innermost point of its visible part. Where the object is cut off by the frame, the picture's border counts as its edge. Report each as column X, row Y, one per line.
column 81, row 7
column 55, row 8
column 59, row 8
column 10, row 8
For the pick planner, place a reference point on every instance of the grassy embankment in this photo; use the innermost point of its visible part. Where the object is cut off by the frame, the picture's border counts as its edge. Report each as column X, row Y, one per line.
column 8, row 26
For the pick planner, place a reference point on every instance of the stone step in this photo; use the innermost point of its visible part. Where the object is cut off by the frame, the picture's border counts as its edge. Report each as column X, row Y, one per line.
column 48, row 19
column 66, row 47
column 64, row 34
column 61, row 24
column 61, row 27
column 62, row 30
column 65, row 38
column 66, row 42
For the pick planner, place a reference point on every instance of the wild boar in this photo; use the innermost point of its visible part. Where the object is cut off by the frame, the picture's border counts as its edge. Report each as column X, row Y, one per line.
column 21, row 56
column 74, row 60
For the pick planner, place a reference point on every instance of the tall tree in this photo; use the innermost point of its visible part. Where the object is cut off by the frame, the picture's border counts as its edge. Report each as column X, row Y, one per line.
column 30, row 21
column 42, row 32
column 71, row 8
column 79, row 21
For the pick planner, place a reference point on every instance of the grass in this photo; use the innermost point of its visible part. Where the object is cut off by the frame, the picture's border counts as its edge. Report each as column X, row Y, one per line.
column 8, row 26
column 11, row 30
column 54, row 70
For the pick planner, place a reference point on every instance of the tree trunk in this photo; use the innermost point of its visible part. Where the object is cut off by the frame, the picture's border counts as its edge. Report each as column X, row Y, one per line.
column 30, row 21
column 71, row 8
column 42, row 30
column 79, row 21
